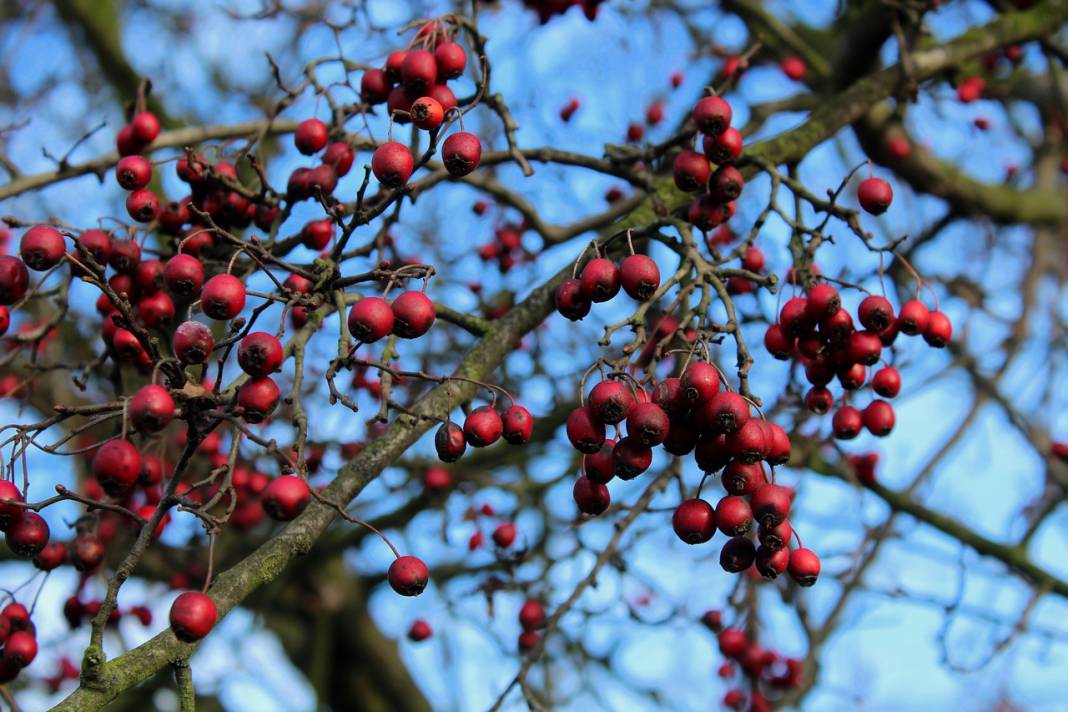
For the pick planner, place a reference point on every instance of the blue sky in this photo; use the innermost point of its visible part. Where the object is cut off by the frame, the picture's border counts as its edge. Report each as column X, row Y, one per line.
column 887, row 654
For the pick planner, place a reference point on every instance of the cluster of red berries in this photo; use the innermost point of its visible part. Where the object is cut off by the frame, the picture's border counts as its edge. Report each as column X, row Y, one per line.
column 482, row 427
column 18, row 636
column 767, row 672
column 692, row 170
column 820, row 334
column 601, row 280
column 506, row 247
column 413, row 86
column 691, row 414
column 531, row 620
column 77, row 611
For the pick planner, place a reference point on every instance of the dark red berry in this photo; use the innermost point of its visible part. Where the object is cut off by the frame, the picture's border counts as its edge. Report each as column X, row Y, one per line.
column 571, row 300
column 726, row 413
column 939, row 330
column 878, row 418
column 846, row 423
column 875, row 313
column 771, row 504
column 630, row 458
column 285, row 497
column 585, row 431
column 691, row 171
column 591, row 497
column 223, row 297
column 42, row 248
column 257, row 399
column 483, row 426
column 600, row 280
column 151, row 409
column 311, row 136
column 598, row 466
column 418, row 71
column 117, row 465
column 648, row 424
column 726, row 184
column 413, row 314
column 27, row 534
column 712, row 115
column 694, row 521
column 740, row 478
column 461, row 153
column 611, row 401
column 886, row 382
column 193, row 342
column 449, row 442
column 771, row 562
column 737, row 555
column 193, row 615
column 260, row 354
column 875, row 195
column 700, row 383
column 392, row 164
column 777, row 343
column 450, row 58
column 133, row 172
column 804, row 566
column 370, row 319
column 518, row 425
column 724, row 149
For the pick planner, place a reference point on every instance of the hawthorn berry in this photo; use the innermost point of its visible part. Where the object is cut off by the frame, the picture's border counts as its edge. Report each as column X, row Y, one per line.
column 518, row 425
column 133, row 172
column 939, row 330
column 712, row 115
column 392, row 164
column 142, row 205
column 726, row 184
column 585, row 431
column 771, row 562
column 427, row 113
column 117, row 465
column 771, row 503
column 737, row 555
column 86, row 553
column 450, row 59
column 804, row 566
column 694, row 521
column 311, row 136
column 339, row 156
column 750, row 443
column 223, row 297
column 374, row 86
column 48, row 559
column 611, row 402
column 600, row 280
column 449, row 442
column 647, row 423
column 777, row 343
column 875, row 313
column 846, row 423
column 145, row 127
column 193, row 342
column 20, row 649
column 370, row 319
column 777, row 537
column 504, row 534
column 192, row 616
column 27, row 534
column 913, row 318
column 591, row 497
column 260, row 354
column 418, row 71
column 878, row 418
column 285, row 497
column 724, row 148
column 483, row 426
column 461, row 153
column 630, row 458
column 598, row 466
column 42, row 248
column 741, row 478
column 875, row 195
column 317, row 234
column 151, row 409
column 14, row 279
column 699, row 383
column 413, row 314
column 571, row 300
column 886, row 382
column 419, row 631
column 691, row 171
column 258, row 398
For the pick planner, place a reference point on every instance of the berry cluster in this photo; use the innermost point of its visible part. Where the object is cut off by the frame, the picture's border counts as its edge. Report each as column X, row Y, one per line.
column 692, row 414
column 601, row 280
column 722, row 145
column 819, row 333
column 531, row 619
column 18, row 636
column 766, row 672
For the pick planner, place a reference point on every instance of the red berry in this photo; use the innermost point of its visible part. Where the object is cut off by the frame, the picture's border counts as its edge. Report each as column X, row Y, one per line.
column 532, row 615
column 913, row 318
column 49, row 558
column 117, row 465
column 223, row 297
column 151, row 409
column 694, row 521
column 436, row 479
column 794, row 68
column 145, row 127
column 600, row 280
column 725, row 148
column 793, row 317
column 257, row 399
column 585, row 431
column 712, row 452
column 285, row 497
column 878, row 418
column 771, row 504
column 571, row 300
column 193, row 342
column 133, row 172
column 317, row 234
column 419, row 631
column 864, row 347
column 771, row 562
column 804, row 566
column 370, row 319
column 20, row 649
column 611, row 401
column 648, row 424
column 27, row 534
column 726, row 184
column 374, row 86
column 751, row 442
column 875, row 195
column 753, row 259
column 875, row 313
column 42, row 248
column 630, row 458
column 392, row 164
column 311, row 136
column 450, row 59
column 449, row 442
column 737, row 555
column 778, row 344
column 504, row 534
column 740, row 478
column 712, row 115
column 726, row 413
column 669, row 395
column 691, row 171
column 259, row 354
column 86, row 553
column 819, row 400
column 732, row 642
column 939, row 330
column 461, row 153
column 528, row 640
column 413, row 314
column 777, row 537
column 591, row 497
column 846, row 423
column 837, row 327
column 483, row 426
column 518, row 425
column 192, row 616
column 142, row 205
column 887, row 382
column 823, row 301
column 126, row 142
column 598, row 466
column 418, row 71
column 427, row 113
